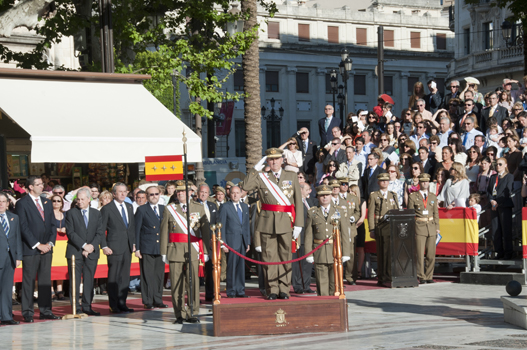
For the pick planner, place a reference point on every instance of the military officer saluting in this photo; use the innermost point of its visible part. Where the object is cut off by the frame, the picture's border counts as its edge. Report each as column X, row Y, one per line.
column 354, row 215
column 319, row 227
column 174, row 250
column 379, row 204
column 426, row 228
column 282, row 208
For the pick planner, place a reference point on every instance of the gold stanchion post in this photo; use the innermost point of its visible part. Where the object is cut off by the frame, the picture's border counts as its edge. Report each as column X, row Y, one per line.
column 335, row 223
column 217, row 281
column 214, row 262
column 73, row 295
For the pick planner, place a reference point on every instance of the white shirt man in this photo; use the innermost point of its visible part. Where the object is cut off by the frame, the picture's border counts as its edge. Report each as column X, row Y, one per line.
column 468, row 137
column 419, row 135
column 368, row 145
column 444, row 132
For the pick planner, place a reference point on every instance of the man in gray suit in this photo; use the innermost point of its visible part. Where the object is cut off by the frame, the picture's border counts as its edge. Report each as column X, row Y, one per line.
column 10, row 258
column 234, row 217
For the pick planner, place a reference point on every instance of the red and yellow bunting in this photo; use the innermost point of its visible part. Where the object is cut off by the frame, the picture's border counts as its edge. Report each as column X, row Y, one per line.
column 163, row 168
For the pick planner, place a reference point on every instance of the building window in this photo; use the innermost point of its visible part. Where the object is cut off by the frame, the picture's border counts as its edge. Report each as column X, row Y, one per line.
column 333, row 34
column 388, row 38
column 488, row 40
column 388, row 84
column 411, row 83
column 273, row 133
column 273, row 30
column 302, row 82
column 238, row 80
column 415, row 40
column 441, row 41
column 362, row 36
column 239, row 128
column 359, row 84
column 466, row 40
column 303, row 32
column 271, row 81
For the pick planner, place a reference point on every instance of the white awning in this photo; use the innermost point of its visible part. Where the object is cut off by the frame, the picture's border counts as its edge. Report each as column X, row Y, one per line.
column 93, row 121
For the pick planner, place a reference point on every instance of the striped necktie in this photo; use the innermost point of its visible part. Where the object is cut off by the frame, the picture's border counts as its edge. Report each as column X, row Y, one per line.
column 155, row 212
column 85, row 217
column 40, row 210
column 4, row 224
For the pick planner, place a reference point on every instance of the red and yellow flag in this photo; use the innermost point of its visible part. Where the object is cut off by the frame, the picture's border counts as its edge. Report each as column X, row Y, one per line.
column 524, row 232
column 159, row 168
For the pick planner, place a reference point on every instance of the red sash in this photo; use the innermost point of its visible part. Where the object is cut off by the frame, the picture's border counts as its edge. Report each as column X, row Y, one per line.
column 183, row 238
column 283, row 209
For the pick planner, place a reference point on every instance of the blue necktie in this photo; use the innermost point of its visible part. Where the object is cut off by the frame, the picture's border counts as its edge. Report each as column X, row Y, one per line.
column 4, row 225
column 371, row 172
column 85, row 218
column 326, row 124
column 155, row 212
column 465, row 140
column 124, row 216
column 239, row 210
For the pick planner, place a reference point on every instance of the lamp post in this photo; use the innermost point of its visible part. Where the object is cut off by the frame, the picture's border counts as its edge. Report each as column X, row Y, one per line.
column 273, row 117
column 506, row 30
column 345, row 67
column 333, row 83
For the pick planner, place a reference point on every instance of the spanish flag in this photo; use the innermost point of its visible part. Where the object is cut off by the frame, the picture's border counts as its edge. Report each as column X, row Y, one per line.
column 161, row 168
column 524, row 232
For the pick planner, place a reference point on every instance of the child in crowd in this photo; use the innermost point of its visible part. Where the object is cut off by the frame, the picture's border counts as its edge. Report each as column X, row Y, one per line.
column 473, row 202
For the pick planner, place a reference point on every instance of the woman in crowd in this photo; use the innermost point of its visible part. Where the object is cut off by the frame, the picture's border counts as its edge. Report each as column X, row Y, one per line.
column 376, row 137
column 440, row 177
column 373, row 120
column 397, row 125
column 418, row 93
column 319, row 165
column 355, row 132
column 448, row 158
column 405, row 166
column 292, row 155
column 390, row 131
column 472, row 166
column 492, row 153
column 60, row 223
column 482, row 184
column 499, row 193
column 104, row 198
column 478, row 97
column 330, row 170
column 417, row 118
column 395, row 184
column 361, row 231
column 412, row 184
column 505, row 100
column 516, row 109
column 409, row 147
column 381, row 163
column 407, row 122
column 457, row 148
column 514, row 157
column 400, row 142
column 457, row 189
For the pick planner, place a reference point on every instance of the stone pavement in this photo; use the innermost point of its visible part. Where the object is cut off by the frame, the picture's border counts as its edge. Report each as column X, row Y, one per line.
column 434, row 316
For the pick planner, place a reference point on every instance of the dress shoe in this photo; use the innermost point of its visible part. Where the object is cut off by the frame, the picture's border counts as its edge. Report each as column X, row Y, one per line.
column 430, row 281
column 352, row 283
column 161, row 306
column 283, row 295
column 14, row 302
column 309, row 291
column 91, row 312
column 126, row 309
column 115, row 311
column 49, row 317
column 179, row 320
column 28, row 319
column 9, row 323
column 149, row 307
column 242, row 296
column 421, row 281
column 263, row 292
column 299, row 291
column 192, row 320
column 272, row 296
column 231, row 296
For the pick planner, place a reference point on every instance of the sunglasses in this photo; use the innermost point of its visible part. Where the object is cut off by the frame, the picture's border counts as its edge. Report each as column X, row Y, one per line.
column 392, row 171
column 57, row 201
column 500, row 164
column 415, row 168
column 434, row 143
column 454, row 87
column 154, row 194
column 332, row 165
column 490, row 154
column 384, row 140
column 420, row 127
column 372, row 118
column 468, row 104
column 473, row 152
column 58, row 192
column 334, row 144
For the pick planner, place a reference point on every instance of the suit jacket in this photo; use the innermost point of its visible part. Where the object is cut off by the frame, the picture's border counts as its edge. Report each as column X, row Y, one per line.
column 237, row 235
column 326, row 136
column 503, row 190
column 33, row 229
column 308, row 156
column 147, row 229
column 276, row 222
column 14, row 242
column 340, row 158
column 369, row 183
column 78, row 234
column 433, row 102
column 447, row 99
column 119, row 238
column 352, row 172
column 500, row 114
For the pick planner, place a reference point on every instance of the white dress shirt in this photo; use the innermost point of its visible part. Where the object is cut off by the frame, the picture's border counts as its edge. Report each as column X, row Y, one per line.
column 120, row 210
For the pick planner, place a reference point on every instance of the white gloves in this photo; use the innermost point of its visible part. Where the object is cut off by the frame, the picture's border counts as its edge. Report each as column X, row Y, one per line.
column 260, row 165
column 258, row 249
column 311, row 260
column 345, row 258
column 164, row 258
column 352, row 219
column 205, row 257
column 296, row 232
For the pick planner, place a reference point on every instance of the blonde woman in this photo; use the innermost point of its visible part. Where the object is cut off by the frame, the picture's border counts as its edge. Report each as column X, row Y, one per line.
column 473, row 87
column 292, row 155
column 418, row 93
column 104, row 198
column 361, row 232
column 457, row 189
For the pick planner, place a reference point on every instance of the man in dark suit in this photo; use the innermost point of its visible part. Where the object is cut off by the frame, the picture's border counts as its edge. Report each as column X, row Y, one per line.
column 211, row 210
column 326, row 125
column 494, row 110
column 148, row 219
column 84, row 231
column 37, row 224
column 308, row 148
column 454, row 93
column 369, row 179
column 336, row 153
column 433, row 99
column 10, row 258
column 118, row 246
column 234, row 217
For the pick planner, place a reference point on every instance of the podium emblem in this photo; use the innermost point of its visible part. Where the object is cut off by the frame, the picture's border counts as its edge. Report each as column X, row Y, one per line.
column 280, row 318
column 403, row 230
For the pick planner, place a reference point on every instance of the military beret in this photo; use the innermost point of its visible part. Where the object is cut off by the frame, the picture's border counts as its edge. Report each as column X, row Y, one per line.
column 344, row 180
column 274, row 153
column 240, row 184
column 180, row 185
column 230, row 183
column 221, row 189
column 383, row 177
column 424, row 177
column 334, row 183
column 323, row 190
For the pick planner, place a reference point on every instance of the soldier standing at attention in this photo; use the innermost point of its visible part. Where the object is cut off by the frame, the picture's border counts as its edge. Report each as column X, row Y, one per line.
column 353, row 204
column 319, row 227
column 174, row 250
column 379, row 204
column 426, row 228
column 282, row 208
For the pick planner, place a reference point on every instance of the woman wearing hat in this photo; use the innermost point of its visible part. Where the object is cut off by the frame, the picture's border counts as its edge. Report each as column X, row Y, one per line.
column 472, row 85
column 292, row 155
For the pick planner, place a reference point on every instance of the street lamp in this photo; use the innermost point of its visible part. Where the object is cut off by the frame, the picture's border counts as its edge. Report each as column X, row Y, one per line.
column 506, row 29
column 333, row 83
column 341, row 102
column 273, row 117
column 344, row 54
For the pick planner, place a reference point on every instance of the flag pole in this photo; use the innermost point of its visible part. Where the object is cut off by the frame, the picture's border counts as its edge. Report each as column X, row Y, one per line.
column 189, row 248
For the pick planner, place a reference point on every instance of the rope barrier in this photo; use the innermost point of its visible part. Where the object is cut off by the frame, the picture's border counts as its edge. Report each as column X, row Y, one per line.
column 276, row 262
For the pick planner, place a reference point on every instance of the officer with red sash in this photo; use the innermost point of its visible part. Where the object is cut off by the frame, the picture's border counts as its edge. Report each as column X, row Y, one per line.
column 280, row 221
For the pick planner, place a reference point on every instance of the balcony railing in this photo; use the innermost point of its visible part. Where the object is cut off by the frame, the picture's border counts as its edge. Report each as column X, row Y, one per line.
column 511, row 52
column 483, row 57
column 462, row 62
